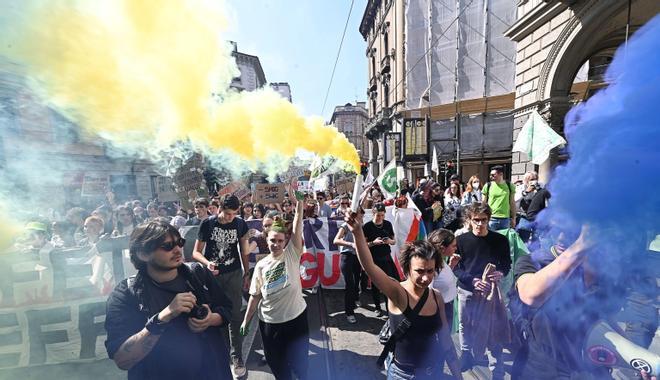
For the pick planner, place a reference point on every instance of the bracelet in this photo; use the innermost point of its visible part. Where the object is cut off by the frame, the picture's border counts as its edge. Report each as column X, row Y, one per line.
column 155, row 326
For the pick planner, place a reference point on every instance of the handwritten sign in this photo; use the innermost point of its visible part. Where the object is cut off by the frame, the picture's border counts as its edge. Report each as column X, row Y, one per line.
column 266, row 193
column 345, row 185
column 94, row 185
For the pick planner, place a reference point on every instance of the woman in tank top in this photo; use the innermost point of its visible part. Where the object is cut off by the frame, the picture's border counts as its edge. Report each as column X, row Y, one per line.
column 421, row 350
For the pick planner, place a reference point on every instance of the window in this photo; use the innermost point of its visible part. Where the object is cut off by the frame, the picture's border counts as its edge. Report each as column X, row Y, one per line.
column 386, row 43
column 64, row 131
column 386, row 95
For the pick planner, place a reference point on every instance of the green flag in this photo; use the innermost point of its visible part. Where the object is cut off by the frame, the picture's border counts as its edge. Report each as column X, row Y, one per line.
column 387, row 180
column 536, row 139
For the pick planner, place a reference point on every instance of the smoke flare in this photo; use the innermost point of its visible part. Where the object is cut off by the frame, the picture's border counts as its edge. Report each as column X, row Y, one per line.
column 147, row 74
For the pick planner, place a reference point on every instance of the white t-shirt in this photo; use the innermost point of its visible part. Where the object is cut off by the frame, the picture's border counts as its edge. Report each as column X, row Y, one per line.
column 445, row 283
column 278, row 282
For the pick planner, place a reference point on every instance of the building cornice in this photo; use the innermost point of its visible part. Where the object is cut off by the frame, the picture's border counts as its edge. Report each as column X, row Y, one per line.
column 368, row 17
column 538, row 16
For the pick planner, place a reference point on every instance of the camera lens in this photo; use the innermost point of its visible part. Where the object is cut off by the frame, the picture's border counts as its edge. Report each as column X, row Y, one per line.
column 199, row 312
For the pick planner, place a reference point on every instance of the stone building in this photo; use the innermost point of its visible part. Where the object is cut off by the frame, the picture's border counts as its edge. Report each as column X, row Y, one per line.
column 283, row 89
column 450, row 67
column 252, row 74
column 556, row 42
column 351, row 120
column 47, row 161
column 382, row 29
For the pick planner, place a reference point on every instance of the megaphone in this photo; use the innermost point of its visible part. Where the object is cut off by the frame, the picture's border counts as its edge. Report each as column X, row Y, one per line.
column 606, row 347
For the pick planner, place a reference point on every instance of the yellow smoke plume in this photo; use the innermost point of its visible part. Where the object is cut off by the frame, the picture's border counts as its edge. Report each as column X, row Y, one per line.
column 145, row 74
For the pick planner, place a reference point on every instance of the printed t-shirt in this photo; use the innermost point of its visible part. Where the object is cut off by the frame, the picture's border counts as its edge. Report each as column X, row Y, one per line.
column 498, row 198
column 222, row 241
column 277, row 279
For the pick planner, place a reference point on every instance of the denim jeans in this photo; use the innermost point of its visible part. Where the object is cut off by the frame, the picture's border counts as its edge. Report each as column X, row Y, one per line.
column 496, row 224
column 465, row 308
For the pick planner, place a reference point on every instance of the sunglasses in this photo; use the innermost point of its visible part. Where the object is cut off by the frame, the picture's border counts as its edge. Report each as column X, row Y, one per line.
column 345, row 204
column 174, row 243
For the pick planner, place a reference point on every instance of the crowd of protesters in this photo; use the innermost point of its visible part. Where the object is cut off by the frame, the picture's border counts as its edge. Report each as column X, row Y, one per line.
column 462, row 264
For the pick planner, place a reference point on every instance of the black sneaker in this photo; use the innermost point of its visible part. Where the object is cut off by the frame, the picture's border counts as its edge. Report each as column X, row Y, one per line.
column 467, row 361
column 380, row 313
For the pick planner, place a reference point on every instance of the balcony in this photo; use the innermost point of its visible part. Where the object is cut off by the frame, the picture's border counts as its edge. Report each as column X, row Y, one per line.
column 385, row 65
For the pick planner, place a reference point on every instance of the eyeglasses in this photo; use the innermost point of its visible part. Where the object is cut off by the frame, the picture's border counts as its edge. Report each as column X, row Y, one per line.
column 345, row 203
column 480, row 220
column 174, row 243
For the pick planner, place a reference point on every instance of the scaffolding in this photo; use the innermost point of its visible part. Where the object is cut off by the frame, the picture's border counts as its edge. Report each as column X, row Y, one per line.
column 456, row 53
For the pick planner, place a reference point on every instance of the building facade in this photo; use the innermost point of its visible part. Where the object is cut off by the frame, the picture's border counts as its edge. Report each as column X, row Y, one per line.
column 382, row 29
column 556, row 42
column 252, row 74
column 351, row 120
column 283, row 89
column 46, row 160
column 449, row 68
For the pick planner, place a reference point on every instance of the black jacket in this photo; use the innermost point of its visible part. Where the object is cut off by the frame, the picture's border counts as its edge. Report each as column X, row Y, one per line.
column 127, row 312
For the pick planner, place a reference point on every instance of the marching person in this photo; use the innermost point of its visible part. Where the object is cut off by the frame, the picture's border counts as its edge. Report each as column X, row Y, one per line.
column 477, row 248
column 380, row 236
column 163, row 323
column 223, row 247
column 276, row 295
column 420, row 352
column 350, row 269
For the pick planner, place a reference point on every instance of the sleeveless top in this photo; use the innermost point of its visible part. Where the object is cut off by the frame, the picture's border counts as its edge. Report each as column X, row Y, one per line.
column 420, row 346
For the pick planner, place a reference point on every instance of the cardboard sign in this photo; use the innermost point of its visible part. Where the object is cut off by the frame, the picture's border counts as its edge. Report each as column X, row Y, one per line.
column 345, row 185
column 237, row 188
column 165, row 190
column 95, row 185
column 266, row 193
column 294, row 172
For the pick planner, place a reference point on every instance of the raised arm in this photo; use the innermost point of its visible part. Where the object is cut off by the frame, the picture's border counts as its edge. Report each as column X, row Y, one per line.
column 535, row 288
column 389, row 286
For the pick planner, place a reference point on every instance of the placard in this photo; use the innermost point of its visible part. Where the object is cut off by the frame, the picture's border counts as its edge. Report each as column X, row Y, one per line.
column 94, row 185
column 345, row 185
column 266, row 193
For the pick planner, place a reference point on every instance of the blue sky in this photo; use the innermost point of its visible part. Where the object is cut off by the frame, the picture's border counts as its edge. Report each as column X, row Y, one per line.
column 297, row 41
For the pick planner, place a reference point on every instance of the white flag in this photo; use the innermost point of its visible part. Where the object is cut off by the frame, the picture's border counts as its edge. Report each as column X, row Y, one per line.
column 434, row 162
column 426, row 170
column 387, row 180
column 369, row 180
column 536, row 139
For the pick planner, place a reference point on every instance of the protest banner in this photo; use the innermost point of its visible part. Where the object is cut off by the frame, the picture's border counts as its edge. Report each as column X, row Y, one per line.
column 266, row 193
column 53, row 300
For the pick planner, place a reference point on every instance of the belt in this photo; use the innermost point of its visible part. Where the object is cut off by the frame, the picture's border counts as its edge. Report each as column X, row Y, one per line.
column 413, row 369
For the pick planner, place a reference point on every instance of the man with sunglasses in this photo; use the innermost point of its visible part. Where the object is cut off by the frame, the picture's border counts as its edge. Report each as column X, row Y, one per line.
column 325, row 211
column 477, row 248
column 164, row 322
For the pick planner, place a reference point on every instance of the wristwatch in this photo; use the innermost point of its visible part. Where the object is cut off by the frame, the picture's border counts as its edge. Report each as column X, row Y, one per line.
column 155, row 325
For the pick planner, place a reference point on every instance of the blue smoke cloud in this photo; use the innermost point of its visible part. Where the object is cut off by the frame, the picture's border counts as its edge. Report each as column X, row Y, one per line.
column 612, row 178
column 611, row 182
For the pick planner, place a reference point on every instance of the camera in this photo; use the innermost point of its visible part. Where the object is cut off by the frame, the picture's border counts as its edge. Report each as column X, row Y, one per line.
column 199, row 312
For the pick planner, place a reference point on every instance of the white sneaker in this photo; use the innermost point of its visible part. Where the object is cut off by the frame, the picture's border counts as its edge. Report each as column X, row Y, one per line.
column 314, row 290
column 351, row 319
column 238, row 369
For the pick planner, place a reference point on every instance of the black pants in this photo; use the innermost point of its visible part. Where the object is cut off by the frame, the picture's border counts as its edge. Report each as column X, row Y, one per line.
column 286, row 346
column 449, row 312
column 350, row 269
column 388, row 267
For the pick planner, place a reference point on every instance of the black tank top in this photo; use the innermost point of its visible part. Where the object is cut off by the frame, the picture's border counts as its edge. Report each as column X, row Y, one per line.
column 420, row 346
